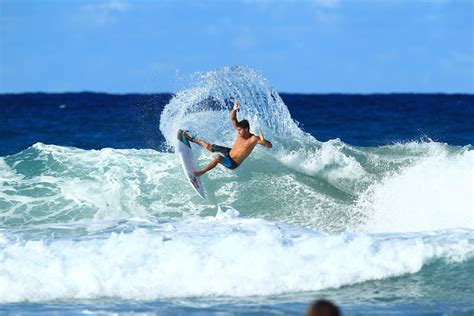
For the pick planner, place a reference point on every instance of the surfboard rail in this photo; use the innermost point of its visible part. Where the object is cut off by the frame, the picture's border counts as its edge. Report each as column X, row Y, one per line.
column 184, row 150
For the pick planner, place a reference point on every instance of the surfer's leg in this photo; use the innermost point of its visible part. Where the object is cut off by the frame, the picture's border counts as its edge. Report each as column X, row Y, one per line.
column 198, row 141
column 202, row 143
column 210, row 166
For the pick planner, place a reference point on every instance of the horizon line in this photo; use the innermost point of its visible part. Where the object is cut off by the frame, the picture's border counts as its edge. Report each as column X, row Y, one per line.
column 279, row 92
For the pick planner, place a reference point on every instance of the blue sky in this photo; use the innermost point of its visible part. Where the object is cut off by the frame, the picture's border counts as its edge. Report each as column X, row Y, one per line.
column 317, row 46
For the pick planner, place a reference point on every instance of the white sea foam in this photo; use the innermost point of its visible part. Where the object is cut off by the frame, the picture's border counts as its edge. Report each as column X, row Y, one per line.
column 432, row 193
column 327, row 160
column 224, row 256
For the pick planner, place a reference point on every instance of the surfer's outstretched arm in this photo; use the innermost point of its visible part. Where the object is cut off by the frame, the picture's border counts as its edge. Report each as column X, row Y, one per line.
column 210, row 166
column 262, row 141
column 233, row 114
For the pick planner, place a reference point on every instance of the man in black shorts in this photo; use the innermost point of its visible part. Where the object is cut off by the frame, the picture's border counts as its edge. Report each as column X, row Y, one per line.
column 243, row 146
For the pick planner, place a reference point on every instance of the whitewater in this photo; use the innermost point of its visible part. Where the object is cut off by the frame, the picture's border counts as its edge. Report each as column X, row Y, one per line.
column 305, row 219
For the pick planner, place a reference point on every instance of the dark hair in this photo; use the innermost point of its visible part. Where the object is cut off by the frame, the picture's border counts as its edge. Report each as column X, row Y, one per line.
column 323, row 308
column 244, row 124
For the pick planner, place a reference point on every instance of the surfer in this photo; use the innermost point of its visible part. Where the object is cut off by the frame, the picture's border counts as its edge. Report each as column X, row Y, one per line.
column 232, row 157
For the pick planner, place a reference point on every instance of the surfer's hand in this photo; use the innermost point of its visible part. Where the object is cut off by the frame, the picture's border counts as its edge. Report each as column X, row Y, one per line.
column 236, row 105
column 262, row 141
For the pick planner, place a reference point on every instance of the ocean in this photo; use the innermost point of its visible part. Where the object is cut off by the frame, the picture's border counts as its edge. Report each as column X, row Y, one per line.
column 365, row 200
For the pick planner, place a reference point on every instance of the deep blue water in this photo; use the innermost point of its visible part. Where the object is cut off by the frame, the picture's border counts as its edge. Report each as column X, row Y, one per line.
column 96, row 120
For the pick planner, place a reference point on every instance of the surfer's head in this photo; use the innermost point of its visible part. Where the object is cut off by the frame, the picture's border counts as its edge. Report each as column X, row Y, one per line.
column 244, row 124
column 243, row 127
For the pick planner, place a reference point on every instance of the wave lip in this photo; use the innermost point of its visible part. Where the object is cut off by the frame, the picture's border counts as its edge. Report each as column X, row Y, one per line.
column 207, row 103
column 224, row 256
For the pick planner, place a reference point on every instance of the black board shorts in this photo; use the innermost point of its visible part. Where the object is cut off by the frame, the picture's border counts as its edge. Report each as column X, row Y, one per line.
column 225, row 151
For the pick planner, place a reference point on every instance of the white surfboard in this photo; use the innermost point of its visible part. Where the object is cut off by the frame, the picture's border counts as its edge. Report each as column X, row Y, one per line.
column 183, row 148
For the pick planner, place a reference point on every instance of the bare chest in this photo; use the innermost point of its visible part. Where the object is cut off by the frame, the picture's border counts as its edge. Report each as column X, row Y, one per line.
column 243, row 144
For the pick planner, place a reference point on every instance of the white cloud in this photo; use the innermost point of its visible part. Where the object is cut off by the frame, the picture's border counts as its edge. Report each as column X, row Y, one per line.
column 330, row 4
column 271, row 4
column 108, row 6
column 105, row 12
column 325, row 11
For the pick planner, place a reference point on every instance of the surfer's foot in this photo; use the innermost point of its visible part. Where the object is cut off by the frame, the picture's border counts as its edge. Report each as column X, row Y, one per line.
column 189, row 136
